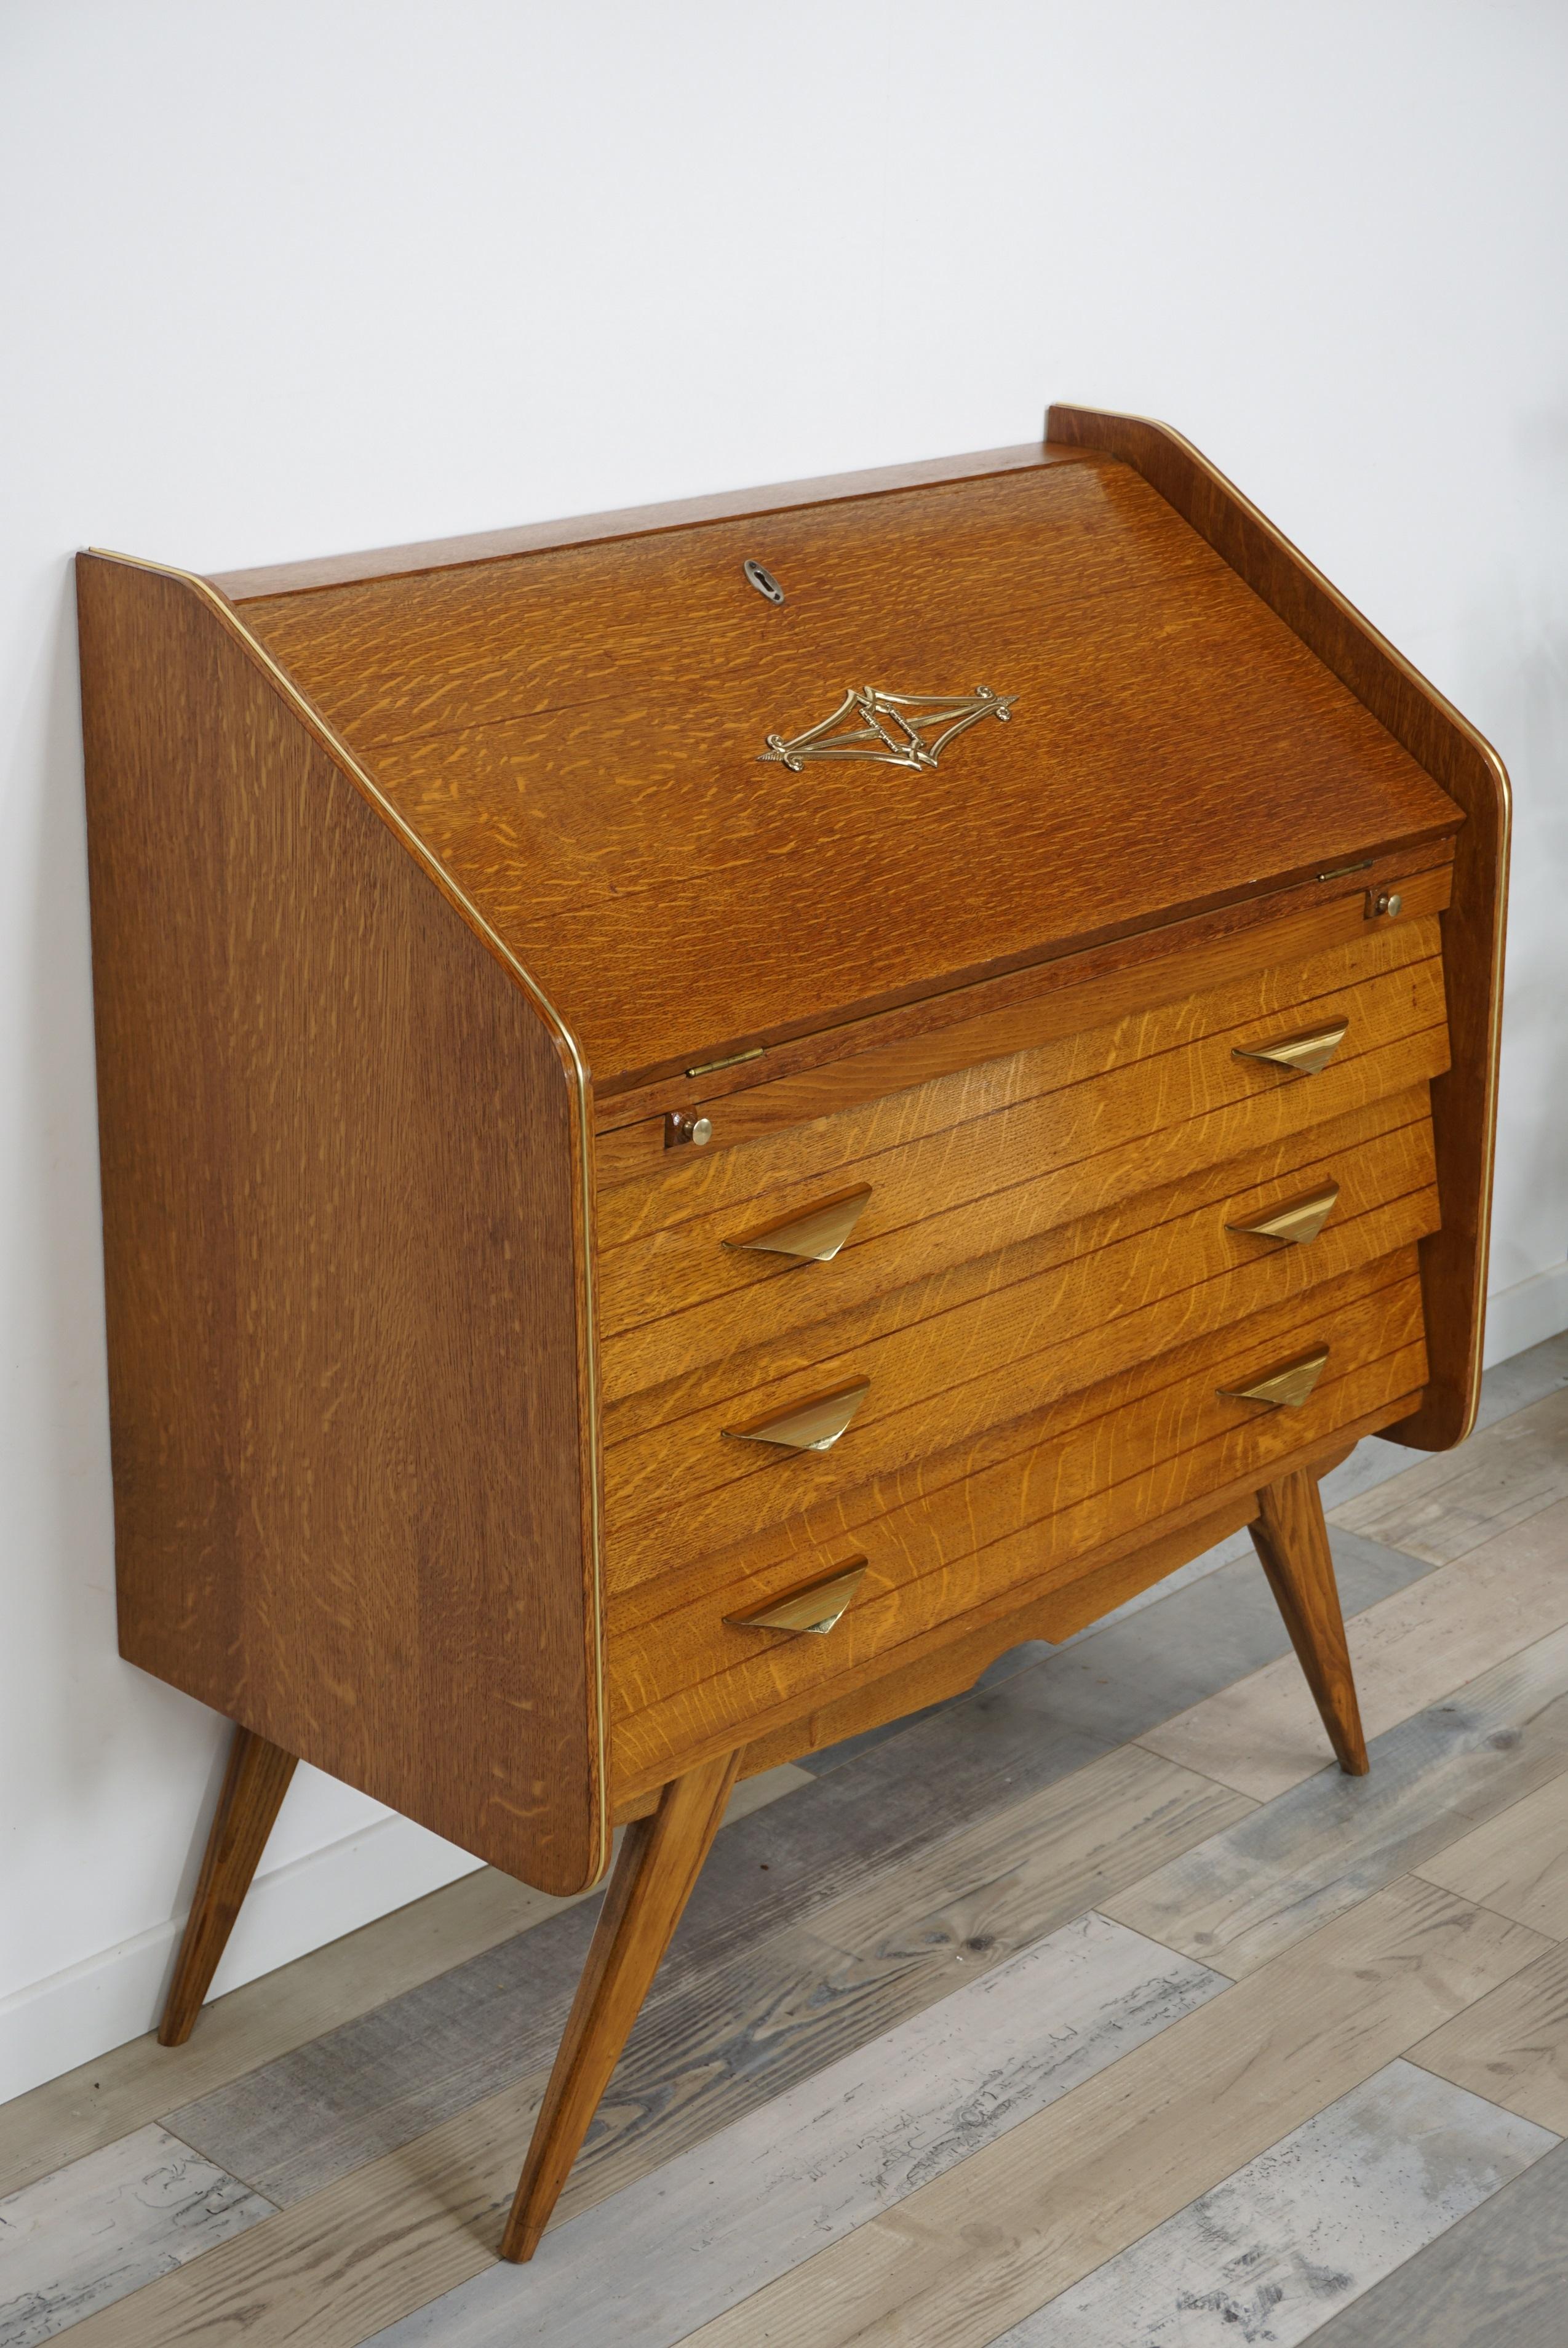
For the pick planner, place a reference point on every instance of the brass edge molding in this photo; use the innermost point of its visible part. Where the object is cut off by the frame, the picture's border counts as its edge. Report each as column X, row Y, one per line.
column 1407, row 672
column 339, row 752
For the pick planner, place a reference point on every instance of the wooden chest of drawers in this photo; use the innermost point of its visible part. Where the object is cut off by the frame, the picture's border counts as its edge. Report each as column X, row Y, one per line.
column 664, row 1203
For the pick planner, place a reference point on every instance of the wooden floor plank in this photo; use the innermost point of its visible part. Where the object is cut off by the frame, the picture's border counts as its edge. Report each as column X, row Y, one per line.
column 393, row 2233
column 699, row 2234
column 718, row 2037
column 121, row 2090
column 1497, row 2280
column 1512, row 2045
column 87, row 2236
column 1236, row 1900
column 1303, row 2229
column 1263, row 1735
column 1032, row 2213
column 1454, row 1501
column 1516, row 1863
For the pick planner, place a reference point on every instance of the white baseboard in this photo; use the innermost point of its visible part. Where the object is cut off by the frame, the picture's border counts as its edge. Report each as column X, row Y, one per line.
column 67, row 2019
column 1527, row 1314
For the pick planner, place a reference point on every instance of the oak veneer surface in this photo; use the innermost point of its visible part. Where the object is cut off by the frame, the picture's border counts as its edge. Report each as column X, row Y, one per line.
column 1470, row 770
column 576, row 735
column 351, row 1480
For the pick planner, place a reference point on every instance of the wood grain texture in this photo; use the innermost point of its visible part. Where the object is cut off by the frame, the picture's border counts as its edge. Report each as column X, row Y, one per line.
column 1471, row 772
column 1304, row 2228
column 1314, row 1851
column 605, row 714
column 96, row 2231
column 265, row 2020
column 947, row 1670
column 1261, row 1734
column 921, row 1251
column 660, row 1861
column 1292, row 1544
column 698, row 2235
column 432, row 2211
column 1517, row 1863
column 948, row 1356
column 863, row 1827
column 1512, row 2045
column 860, row 1059
column 759, row 1694
column 943, row 1501
column 353, row 1490
column 744, row 2019
column 1445, row 1508
column 1176, row 1061
column 1051, row 2200
column 249, row 1800
column 1384, row 1148
column 1499, row 2276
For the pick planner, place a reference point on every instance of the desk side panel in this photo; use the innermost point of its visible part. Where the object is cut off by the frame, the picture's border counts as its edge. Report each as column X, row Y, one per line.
column 1464, row 1101
column 343, row 1266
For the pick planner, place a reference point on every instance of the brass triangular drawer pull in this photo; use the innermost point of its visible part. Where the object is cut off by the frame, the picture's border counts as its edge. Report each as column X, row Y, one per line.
column 814, row 1234
column 1299, row 1223
column 815, row 1609
column 813, row 1426
column 1299, row 1055
column 1288, row 1386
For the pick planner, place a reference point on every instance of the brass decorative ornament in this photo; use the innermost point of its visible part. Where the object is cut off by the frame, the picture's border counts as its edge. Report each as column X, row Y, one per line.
column 894, row 730
column 815, row 1609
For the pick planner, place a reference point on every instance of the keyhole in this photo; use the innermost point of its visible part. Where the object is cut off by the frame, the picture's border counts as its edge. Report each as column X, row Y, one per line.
column 763, row 581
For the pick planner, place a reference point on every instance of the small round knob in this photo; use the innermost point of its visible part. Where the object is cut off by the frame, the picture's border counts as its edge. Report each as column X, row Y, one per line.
column 1388, row 902
column 681, row 1126
column 702, row 1126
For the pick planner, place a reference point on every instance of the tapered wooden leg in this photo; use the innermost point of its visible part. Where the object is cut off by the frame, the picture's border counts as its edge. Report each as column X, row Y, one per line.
column 258, row 1778
column 1292, row 1543
column 661, row 1858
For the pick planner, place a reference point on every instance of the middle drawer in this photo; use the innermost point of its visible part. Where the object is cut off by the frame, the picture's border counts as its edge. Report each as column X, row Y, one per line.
column 915, row 1372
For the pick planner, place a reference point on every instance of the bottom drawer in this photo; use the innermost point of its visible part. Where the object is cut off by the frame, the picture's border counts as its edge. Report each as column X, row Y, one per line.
column 991, row 1526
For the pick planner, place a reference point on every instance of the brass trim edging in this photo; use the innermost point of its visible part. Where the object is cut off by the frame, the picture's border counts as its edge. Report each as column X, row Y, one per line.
column 359, row 776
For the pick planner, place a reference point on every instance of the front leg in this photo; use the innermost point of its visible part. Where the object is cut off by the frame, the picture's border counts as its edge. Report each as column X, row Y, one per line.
column 661, row 1858
column 1292, row 1543
column 253, row 1788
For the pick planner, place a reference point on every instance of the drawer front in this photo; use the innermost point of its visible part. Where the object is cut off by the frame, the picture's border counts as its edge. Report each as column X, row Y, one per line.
column 956, row 1197
column 938, row 1375
column 958, row 1137
column 1030, row 1508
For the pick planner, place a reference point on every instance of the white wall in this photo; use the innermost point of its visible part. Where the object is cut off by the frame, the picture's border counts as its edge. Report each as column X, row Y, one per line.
column 302, row 276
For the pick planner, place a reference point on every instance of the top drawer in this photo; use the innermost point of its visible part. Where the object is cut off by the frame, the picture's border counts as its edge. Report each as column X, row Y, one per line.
column 1061, row 1106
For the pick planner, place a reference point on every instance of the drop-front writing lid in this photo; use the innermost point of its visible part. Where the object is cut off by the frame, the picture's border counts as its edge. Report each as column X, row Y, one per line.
column 582, row 735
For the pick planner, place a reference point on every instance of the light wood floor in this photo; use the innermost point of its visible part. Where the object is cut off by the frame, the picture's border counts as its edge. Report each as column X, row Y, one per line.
column 1095, row 2008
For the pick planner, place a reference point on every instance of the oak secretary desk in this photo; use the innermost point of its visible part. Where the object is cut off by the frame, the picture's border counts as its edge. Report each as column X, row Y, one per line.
column 712, row 1114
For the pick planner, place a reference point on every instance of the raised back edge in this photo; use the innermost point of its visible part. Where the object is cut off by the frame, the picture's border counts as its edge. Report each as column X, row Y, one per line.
column 1464, row 1102
column 631, row 522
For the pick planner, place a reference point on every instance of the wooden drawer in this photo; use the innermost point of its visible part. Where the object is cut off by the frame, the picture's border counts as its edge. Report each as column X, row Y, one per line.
column 964, row 1192
column 1031, row 1507
column 940, row 1375
column 952, row 1138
